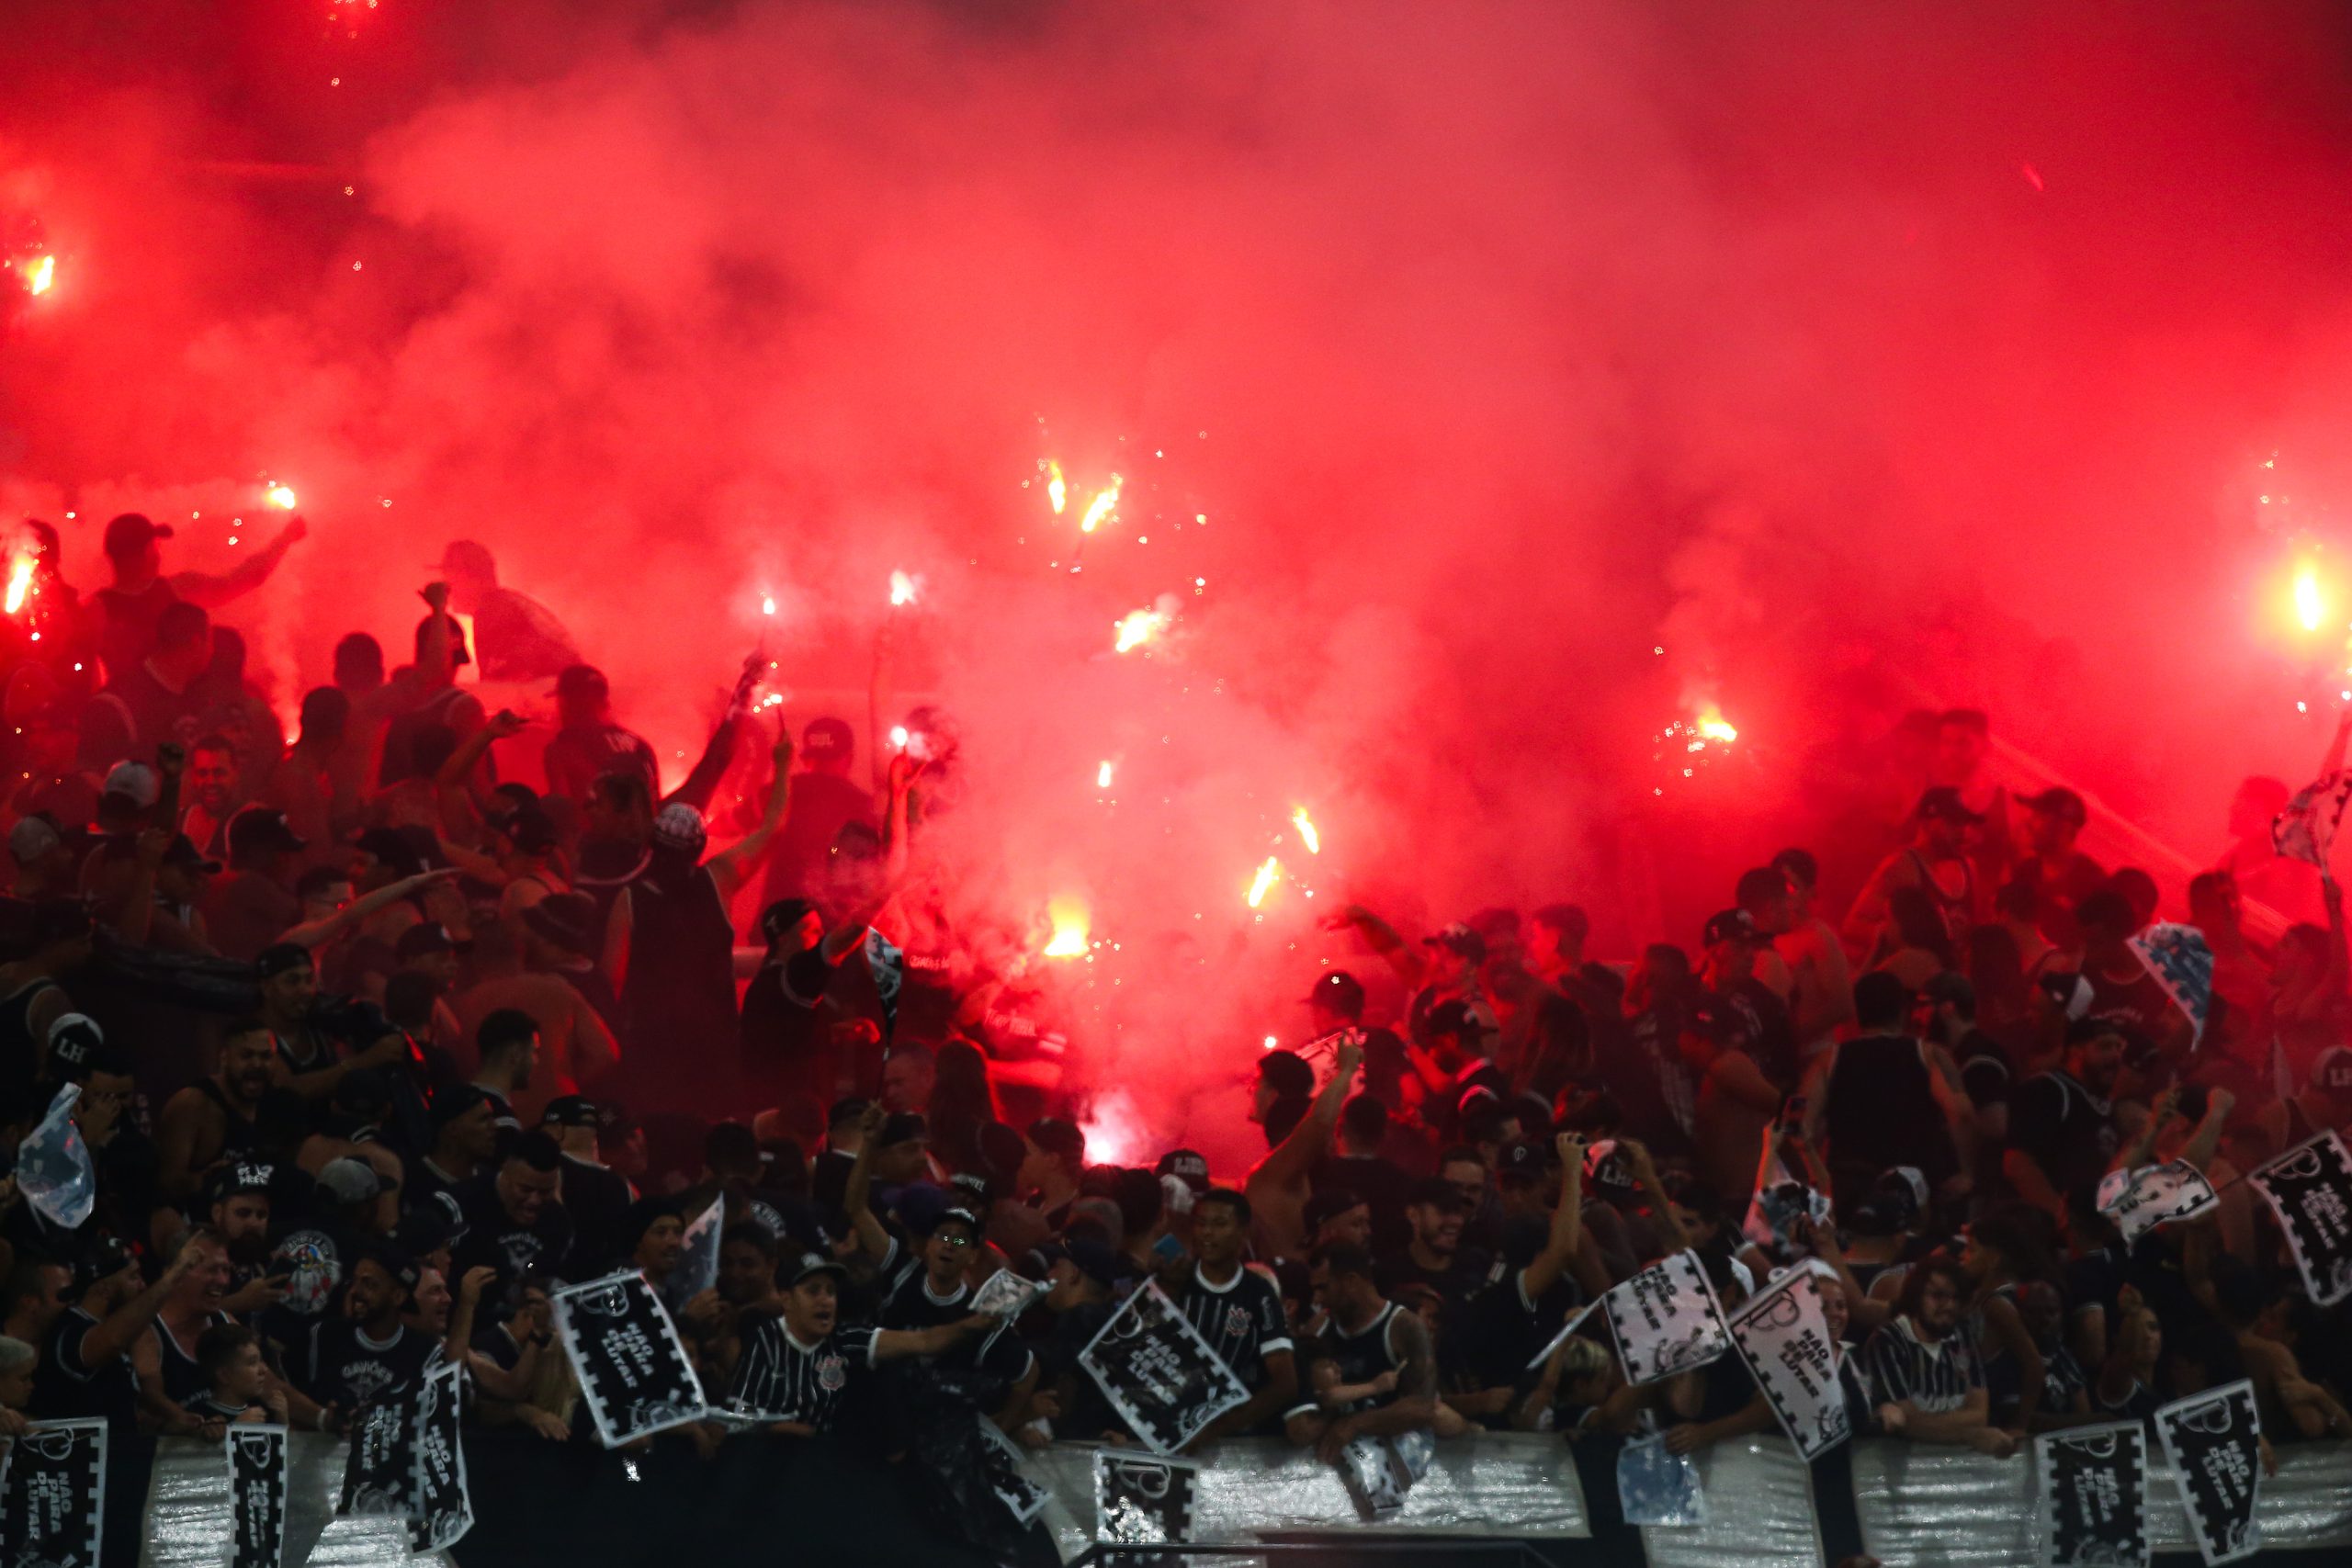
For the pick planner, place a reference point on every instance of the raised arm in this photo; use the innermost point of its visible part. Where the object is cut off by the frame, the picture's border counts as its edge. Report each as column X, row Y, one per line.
column 212, row 591
column 719, row 751
column 1290, row 1159
column 729, row 866
column 112, row 1336
column 318, row 933
column 1382, row 937
column 872, row 1239
column 1567, row 1224
column 1662, row 1214
column 895, row 1344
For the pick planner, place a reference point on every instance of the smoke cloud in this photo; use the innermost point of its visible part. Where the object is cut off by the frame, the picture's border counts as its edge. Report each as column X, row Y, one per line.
column 1491, row 384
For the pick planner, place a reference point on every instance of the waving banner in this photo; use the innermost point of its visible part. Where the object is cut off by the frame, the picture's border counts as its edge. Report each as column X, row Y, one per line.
column 257, row 1494
column 2094, row 1500
column 2139, row 1200
column 1158, row 1374
column 2306, row 829
column 1784, row 1338
column 2214, row 1441
column 1665, row 1319
column 53, row 1501
column 444, row 1511
column 2182, row 963
column 634, row 1371
column 2309, row 1189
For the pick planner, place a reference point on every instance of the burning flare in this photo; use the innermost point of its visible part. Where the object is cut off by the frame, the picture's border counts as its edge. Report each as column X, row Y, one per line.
column 2311, row 604
column 898, row 737
column 904, row 588
column 1263, row 881
column 1710, row 725
column 282, row 497
column 1102, row 776
column 767, row 603
column 39, row 273
column 20, row 582
column 1139, row 627
column 1055, row 491
column 1307, row 834
column 1069, row 930
column 1101, row 506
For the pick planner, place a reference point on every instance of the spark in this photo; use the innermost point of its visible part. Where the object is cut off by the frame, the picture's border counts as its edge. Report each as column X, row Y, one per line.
column 20, row 582
column 768, row 604
column 1263, row 881
column 1102, row 776
column 1101, row 506
column 1055, row 490
column 2310, row 605
column 282, row 497
column 1139, row 627
column 1307, row 834
column 1710, row 725
column 1271, row 1043
column 1069, row 930
column 898, row 737
column 903, row 588
column 39, row 274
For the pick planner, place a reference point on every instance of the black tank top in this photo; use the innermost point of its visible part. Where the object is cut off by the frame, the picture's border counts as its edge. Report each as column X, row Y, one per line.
column 1881, row 1110
column 237, row 1137
column 1363, row 1356
column 183, row 1379
column 680, row 991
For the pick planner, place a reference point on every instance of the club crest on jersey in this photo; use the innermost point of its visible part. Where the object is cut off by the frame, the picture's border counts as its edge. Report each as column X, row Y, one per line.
column 831, row 1373
column 1236, row 1322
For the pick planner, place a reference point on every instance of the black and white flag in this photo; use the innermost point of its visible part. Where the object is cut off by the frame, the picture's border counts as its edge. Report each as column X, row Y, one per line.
column 379, row 1471
column 2214, row 1441
column 257, row 1494
column 1784, row 1336
column 2309, row 1189
column 1004, row 1296
column 1021, row 1497
column 1158, row 1374
column 1665, row 1319
column 53, row 1501
column 1378, row 1472
column 634, row 1373
column 1142, row 1501
column 2094, row 1495
column 444, row 1511
column 2139, row 1199
column 697, row 1268
column 2305, row 830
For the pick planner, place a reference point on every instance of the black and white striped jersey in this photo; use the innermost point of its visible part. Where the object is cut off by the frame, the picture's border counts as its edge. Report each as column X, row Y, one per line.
column 1935, row 1377
column 1242, row 1320
column 779, row 1378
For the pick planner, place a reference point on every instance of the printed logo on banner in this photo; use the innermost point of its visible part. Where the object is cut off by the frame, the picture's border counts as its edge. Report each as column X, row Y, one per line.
column 1158, row 1373
column 1000, row 1461
column 2138, row 1201
column 1665, row 1319
column 1378, row 1472
column 2094, row 1502
column 2306, row 829
column 257, row 1494
column 53, row 1498
column 379, row 1471
column 1004, row 1296
column 634, row 1373
column 1784, row 1336
column 2309, row 1189
column 2214, row 1441
column 444, row 1511
column 1143, row 1501
column 2176, row 955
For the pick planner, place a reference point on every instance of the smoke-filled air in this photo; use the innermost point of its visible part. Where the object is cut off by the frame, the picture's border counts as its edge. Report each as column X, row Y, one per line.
column 1426, row 456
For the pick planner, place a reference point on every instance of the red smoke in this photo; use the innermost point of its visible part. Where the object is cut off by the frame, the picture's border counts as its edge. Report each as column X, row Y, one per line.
column 1499, row 344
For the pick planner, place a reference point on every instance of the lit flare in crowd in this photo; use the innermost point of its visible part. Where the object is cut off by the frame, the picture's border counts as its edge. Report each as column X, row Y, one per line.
column 1070, row 930
column 280, row 496
column 1264, row 881
column 1101, row 506
column 20, row 582
column 41, row 272
column 1102, row 776
column 1139, row 627
column 899, row 736
column 1115, row 1129
column 1307, row 834
column 1711, row 727
column 767, row 603
column 2311, row 604
column 903, row 588
column 1057, row 491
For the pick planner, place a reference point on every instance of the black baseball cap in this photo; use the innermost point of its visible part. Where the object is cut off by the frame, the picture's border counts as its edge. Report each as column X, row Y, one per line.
column 827, row 737
column 281, row 956
column 259, row 829
column 131, row 532
column 812, row 1264
column 1944, row 803
column 1456, row 1018
column 529, row 829
column 582, row 681
column 955, row 1214
column 2059, row 801
column 1340, row 991
column 237, row 1177
column 1188, row 1165
column 1522, row 1158
column 1330, row 1204
column 1460, row 940
column 1731, row 925
column 1092, row 1258
column 570, row 1111
column 782, row 915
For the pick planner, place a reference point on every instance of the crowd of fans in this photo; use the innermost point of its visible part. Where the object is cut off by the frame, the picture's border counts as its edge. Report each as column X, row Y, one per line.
column 374, row 1051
